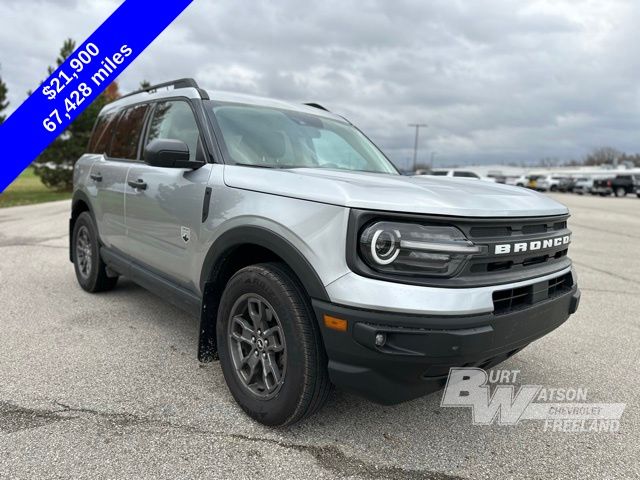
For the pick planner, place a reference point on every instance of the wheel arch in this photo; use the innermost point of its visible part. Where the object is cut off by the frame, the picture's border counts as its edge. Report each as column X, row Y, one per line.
column 236, row 249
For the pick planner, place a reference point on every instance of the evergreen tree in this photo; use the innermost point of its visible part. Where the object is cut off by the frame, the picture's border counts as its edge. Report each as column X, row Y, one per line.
column 55, row 165
column 68, row 47
column 4, row 103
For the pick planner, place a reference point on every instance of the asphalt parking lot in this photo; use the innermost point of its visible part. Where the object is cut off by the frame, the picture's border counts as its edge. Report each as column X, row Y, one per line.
column 108, row 386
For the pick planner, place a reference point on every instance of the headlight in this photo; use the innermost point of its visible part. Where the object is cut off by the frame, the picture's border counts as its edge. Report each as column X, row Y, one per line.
column 415, row 249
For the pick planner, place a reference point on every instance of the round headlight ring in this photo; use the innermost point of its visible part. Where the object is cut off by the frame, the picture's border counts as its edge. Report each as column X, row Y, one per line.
column 385, row 246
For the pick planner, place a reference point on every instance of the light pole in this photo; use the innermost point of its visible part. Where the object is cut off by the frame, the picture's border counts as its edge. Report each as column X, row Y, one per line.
column 415, row 144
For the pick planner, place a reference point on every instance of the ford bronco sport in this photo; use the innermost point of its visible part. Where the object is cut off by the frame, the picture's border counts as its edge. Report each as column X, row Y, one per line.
column 307, row 257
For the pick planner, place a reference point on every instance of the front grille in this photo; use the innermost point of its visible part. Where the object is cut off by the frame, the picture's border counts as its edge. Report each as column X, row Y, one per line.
column 512, row 299
column 489, row 267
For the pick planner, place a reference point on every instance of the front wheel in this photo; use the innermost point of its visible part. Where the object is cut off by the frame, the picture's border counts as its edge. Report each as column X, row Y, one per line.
column 270, row 348
column 620, row 192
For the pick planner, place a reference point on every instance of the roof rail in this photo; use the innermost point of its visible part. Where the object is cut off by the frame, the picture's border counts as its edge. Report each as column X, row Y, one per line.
column 316, row 105
column 179, row 83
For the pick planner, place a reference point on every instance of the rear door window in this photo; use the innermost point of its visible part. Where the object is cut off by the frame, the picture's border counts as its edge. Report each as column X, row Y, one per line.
column 101, row 137
column 127, row 133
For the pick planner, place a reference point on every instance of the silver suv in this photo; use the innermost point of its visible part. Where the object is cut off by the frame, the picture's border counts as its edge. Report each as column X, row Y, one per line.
column 308, row 258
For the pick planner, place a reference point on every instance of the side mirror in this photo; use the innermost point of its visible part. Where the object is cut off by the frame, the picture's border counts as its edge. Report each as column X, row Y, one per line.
column 168, row 153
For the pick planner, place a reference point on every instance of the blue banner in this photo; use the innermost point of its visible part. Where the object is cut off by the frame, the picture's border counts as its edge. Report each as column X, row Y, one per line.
column 79, row 80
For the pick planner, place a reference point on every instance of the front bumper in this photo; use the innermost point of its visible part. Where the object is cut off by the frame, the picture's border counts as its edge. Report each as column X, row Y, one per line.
column 419, row 350
column 352, row 290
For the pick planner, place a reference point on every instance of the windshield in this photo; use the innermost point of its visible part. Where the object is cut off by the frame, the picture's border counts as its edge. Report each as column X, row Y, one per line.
column 274, row 138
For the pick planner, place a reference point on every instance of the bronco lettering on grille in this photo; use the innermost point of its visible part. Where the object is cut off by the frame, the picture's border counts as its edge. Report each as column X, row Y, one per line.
column 521, row 247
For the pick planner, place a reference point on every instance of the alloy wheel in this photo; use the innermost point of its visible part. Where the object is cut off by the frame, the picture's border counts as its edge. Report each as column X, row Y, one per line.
column 257, row 345
column 84, row 252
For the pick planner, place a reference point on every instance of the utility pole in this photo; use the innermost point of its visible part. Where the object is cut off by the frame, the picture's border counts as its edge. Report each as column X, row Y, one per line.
column 415, row 144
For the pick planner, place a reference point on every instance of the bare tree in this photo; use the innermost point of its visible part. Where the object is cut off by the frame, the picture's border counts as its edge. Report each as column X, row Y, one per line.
column 548, row 162
column 602, row 155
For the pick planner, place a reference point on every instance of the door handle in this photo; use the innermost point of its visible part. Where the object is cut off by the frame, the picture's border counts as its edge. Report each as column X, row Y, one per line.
column 138, row 184
column 96, row 177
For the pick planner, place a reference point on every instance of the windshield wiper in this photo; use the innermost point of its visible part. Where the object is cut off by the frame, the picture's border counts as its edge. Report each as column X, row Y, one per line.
column 278, row 167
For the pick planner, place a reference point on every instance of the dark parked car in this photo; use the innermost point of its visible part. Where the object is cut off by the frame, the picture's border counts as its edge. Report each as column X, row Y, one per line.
column 566, row 184
column 620, row 185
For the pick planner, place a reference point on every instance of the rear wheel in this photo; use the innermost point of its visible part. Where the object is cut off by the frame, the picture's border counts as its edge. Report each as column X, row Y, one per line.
column 620, row 192
column 270, row 347
column 91, row 271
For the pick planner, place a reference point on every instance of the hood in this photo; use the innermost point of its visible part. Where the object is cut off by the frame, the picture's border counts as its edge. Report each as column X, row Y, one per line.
column 372, row 191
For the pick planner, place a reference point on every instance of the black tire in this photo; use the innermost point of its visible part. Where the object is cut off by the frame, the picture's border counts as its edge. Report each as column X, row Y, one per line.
column 620, row 192
column 91, row 271
column 302, row 363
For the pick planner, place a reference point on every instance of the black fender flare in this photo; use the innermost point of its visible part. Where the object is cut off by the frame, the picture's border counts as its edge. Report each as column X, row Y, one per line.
column 214, row 263
column 263, row 237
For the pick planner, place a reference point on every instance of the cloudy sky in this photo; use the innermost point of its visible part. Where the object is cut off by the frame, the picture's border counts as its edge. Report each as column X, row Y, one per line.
column 496, row 80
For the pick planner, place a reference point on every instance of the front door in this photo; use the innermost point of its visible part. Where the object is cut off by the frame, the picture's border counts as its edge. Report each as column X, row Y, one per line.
column 163, row 206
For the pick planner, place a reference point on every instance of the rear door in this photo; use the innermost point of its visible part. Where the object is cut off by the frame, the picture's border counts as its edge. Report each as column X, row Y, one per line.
column 107, row 181
column 164, row 205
